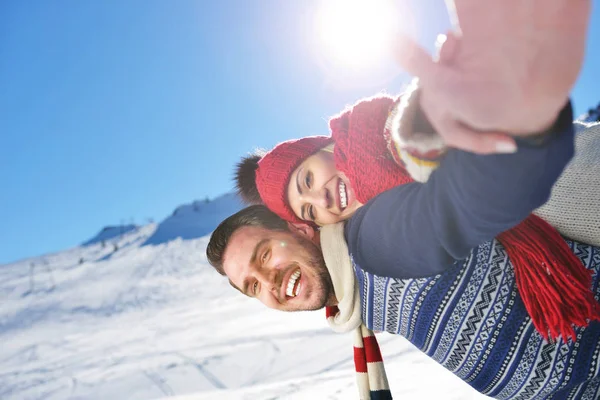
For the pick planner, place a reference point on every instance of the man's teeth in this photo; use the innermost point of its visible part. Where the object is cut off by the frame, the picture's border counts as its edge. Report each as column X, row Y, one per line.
column 343, row 199
column 292, row 283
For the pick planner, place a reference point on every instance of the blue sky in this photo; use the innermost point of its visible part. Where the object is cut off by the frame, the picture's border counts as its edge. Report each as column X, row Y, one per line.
column 115, row 111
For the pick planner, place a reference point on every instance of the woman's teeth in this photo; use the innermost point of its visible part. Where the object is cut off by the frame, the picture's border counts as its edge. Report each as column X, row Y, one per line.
column 292, row 288
column 343, row 198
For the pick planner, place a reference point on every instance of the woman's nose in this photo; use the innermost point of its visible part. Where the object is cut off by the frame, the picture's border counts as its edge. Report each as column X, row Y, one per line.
column 319, row 198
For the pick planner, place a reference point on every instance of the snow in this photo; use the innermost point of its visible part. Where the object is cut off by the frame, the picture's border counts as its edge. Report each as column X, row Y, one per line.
column 153, row 320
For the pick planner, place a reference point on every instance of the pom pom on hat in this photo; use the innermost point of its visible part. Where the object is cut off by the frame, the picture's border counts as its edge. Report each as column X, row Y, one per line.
column 245, row 178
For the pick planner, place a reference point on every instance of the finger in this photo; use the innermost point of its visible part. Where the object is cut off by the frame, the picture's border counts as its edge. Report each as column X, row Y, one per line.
column 459, row 136
column 447, row 48
column 416, row 61
column 413, row 58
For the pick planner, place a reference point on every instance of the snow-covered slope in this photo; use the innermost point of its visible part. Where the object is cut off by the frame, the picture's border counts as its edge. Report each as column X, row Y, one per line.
column 152, row 321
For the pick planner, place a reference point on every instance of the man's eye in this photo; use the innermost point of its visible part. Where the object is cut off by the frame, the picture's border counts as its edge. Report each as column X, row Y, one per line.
column 265, row 256
column 255, row 288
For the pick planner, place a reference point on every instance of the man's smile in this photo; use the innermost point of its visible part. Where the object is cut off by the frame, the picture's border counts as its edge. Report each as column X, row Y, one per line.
column 293, row 284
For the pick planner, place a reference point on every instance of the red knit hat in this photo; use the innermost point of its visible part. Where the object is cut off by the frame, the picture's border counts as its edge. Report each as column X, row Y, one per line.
column 276, row 167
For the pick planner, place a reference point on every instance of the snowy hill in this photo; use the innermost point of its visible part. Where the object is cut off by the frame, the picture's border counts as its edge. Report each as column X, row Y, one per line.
column 152, row 320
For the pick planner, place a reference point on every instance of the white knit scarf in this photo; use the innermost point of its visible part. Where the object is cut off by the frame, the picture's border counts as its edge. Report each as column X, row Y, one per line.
column 370, row 372
column 339, row 265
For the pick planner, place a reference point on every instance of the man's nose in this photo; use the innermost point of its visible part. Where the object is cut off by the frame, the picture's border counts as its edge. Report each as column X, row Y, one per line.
column 267, row 277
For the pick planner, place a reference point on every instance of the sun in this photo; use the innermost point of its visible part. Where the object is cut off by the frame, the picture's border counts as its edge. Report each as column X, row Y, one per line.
column 355, row 34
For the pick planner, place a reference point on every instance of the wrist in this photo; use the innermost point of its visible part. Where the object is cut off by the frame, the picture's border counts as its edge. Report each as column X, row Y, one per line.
column 559, row 124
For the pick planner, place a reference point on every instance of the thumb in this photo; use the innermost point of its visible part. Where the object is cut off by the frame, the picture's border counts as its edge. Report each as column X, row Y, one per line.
column 412, row 57
column 447, row 48
column 415, row 60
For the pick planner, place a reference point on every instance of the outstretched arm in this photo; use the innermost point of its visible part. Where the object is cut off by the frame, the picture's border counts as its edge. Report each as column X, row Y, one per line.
column 418, row 230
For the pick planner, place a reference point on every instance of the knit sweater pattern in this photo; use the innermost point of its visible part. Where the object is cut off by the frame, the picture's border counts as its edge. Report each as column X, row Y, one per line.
column 472, row 320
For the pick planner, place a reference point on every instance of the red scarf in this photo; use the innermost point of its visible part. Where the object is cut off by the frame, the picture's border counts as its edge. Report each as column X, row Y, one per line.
column 361, row 151
column 552, row 281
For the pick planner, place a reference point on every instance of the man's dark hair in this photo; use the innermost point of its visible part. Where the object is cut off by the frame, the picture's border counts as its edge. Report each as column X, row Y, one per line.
column 257, row 215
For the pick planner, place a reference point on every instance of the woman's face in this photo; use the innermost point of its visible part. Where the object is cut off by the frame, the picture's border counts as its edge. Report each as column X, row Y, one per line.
column 319, row 193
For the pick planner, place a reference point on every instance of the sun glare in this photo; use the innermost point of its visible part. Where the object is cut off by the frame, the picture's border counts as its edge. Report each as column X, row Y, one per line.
column 356, row 34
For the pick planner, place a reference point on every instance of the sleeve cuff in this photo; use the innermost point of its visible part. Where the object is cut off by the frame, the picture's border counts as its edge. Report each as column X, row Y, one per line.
column 563, row 121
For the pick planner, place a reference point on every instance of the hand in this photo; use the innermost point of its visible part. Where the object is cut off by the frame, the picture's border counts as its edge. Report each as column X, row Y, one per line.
column 509, row 69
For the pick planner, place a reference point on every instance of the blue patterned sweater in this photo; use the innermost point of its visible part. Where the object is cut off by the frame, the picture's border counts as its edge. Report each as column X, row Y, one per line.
column 471, row 320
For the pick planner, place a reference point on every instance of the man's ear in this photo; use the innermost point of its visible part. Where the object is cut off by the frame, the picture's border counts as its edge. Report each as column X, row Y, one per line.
column 305, row 230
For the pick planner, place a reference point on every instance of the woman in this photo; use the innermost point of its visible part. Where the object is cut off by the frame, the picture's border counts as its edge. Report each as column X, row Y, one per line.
column 372, row 149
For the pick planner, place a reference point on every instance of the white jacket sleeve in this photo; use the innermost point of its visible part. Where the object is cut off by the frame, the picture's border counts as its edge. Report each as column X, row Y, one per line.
column 574, row 205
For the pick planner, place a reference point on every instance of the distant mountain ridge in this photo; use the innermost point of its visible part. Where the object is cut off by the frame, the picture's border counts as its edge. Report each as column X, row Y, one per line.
column 592, row 115
column 188, row 221
column 110, row 232
column 197, row 219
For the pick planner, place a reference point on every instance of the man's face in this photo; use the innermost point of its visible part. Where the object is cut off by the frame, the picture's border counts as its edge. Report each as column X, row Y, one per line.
column 282, row 269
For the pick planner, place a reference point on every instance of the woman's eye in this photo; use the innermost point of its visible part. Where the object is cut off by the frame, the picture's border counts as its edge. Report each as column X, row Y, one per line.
column 311, row 213
column 308, row 180
column 255, row 288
